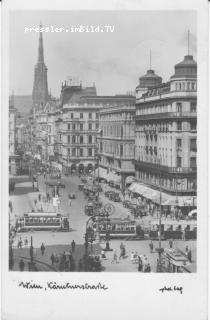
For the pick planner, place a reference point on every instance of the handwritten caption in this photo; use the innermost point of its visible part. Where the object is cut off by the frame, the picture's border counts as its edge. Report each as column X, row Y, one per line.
column 52, row 285
column 171, row 289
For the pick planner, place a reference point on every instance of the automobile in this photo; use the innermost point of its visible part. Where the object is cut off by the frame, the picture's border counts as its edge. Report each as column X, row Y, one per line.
column 89, row 209
column 126, row 203
column 107, row 193
column 72, row 196
column 81, row 186
column 116, row 197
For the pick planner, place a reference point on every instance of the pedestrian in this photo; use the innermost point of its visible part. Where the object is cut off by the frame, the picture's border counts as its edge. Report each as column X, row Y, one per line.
column 20, row 242
column 122, row 252
column 186, row 250
column 52, row 258
column 39, row 197
column 189, row 255
column 103, row 256
column 26, row 242
column 132, row 257
column 147, row 268
column 140, row 266
column 42, row 248
column 170, row 243
column 21, row 265
column 35, row 202
column 73, row 245
column 151, row 246
column 114, row 257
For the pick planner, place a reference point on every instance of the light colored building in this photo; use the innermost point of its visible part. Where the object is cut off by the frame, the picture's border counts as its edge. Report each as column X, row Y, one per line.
column 166, row 132
column 116, row 140
column 12, row 136
column 80, row 124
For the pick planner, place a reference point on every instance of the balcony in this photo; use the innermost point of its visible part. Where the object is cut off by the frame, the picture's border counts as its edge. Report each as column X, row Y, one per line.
column 166, row 115
column 161, row 168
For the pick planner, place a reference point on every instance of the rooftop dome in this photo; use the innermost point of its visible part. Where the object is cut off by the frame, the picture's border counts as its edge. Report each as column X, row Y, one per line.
column 150, row 79
column 186, row 68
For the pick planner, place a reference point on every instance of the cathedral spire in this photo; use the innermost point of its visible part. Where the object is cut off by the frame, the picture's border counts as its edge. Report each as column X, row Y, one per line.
column 40, row 87
column 41, row 50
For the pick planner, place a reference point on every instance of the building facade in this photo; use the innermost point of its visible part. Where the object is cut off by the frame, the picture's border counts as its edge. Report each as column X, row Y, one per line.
column 166, row 131
column 116, row 140
column 12, row 137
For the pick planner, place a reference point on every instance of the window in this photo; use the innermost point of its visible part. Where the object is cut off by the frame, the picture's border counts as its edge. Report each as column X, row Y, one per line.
column 193, row 107
column 68, row 139
column 193, row 162
column 179, row 162
column 73, row 139
column 90, row 115
column 179, row 126
column 179, row 143
column 121, row 150
column 72, row 116
column 81, row 139
column 81, row 126
column 73, row 126
column 73, row 152
column 97, row 115
column 121, row 131
column 90, row 126
column 193, row 145
column 179, row 107
column 90, row 152
column 89, row 139
column 193, row 126
column 68, row 126
column 81, row 115
column 81, row 152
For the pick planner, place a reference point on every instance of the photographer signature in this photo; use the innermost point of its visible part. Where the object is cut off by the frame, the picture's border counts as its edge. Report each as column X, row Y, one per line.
column 174, row 288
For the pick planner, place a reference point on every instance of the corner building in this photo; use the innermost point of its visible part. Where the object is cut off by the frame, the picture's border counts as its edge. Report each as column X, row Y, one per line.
column 166, row 131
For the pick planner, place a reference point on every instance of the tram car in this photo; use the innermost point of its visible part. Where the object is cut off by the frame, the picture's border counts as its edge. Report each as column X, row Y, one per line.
column 42, row 221
column 121, row 228
column 175, row 261
column 173, row 229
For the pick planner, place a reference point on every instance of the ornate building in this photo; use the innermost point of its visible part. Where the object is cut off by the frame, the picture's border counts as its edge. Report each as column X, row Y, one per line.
column 116, row 140
column 40, row 87
column 166, row 131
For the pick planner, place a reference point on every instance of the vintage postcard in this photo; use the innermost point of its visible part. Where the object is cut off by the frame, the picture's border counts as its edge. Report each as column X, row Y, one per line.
column 104, row 160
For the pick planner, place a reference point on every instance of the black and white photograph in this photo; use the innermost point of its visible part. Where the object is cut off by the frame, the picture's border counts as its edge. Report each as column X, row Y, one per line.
column 102, row 161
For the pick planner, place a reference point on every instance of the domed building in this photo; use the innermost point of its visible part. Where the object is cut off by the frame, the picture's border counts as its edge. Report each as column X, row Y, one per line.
column 149, row 80
column 166, row 136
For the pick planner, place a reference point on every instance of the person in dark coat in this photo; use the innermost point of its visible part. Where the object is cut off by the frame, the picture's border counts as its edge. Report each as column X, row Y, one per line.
column 21, row 265
column 52, row 258
column 171, row 244
column 73, row 245
column 151, row 246
column 140, row 266
column 42, row 248
column 189, row 255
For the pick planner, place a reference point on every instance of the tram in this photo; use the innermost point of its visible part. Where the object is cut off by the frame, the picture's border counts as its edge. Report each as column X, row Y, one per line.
column 120, row 228
column 42, row 221
column 173, row 229
column 174, row 260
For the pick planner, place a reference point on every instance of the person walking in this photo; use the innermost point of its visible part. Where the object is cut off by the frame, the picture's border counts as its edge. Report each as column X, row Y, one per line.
column 52, row 258
column 140, row 266
column 151, row 246
column 42, row 248
column 73, row 245
column 35, row 202
column 114, row 257
column 170, row 243
column 39, row 197
column 21, row 265
column 189, row 256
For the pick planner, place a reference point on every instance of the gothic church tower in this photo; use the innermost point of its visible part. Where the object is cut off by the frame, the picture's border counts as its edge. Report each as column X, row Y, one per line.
column 40, row 87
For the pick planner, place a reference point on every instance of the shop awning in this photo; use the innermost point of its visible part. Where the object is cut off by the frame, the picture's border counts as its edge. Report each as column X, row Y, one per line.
column 166, row 199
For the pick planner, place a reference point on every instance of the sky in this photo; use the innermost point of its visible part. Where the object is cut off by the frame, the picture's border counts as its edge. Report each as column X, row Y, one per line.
column 113, row 61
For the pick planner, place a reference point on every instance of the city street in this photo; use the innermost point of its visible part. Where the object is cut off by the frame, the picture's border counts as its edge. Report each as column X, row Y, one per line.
column 58, row 242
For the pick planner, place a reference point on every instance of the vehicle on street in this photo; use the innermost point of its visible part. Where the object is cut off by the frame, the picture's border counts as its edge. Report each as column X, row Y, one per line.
column 173, row 229
column 42, row 221
column 174, row 260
